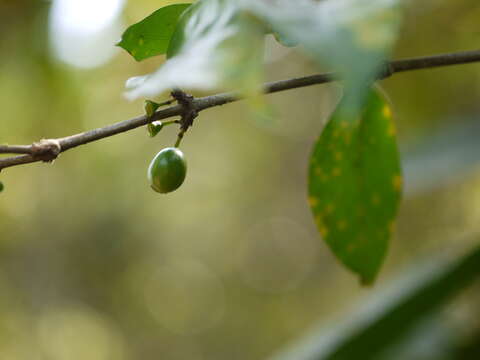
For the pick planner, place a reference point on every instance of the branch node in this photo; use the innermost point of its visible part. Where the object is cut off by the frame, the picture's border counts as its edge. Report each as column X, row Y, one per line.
column 46, row 150
column 386, row 71
column 189, row 111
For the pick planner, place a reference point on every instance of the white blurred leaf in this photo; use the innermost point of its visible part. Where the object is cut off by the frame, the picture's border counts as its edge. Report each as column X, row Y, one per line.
column 216, row 45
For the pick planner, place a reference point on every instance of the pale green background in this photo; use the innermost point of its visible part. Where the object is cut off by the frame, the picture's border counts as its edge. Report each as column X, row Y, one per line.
column 95, row 265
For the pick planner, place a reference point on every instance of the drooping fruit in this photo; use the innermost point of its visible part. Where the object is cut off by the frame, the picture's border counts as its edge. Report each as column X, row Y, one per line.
column 167, row 170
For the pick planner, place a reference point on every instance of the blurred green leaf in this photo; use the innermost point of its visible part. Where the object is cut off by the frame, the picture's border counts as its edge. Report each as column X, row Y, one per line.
column 151, row 36
column 220, row 42
column 370, row 334
column 352, row 36
column 355, row 184
column 216, row 44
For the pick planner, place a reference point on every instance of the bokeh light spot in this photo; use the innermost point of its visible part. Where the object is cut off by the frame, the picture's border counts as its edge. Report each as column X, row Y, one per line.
column 83, row 32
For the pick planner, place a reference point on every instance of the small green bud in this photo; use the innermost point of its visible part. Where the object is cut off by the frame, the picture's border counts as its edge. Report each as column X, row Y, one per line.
column 154, row 128
column 151, row 107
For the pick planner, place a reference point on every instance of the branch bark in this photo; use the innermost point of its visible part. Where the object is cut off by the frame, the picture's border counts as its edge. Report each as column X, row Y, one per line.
column 47, row 150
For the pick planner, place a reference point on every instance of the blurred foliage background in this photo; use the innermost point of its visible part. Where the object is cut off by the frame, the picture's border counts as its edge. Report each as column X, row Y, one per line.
column 95, row 265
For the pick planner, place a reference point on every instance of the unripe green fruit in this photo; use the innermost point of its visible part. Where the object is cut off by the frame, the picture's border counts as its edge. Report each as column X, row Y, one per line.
column 167, row 170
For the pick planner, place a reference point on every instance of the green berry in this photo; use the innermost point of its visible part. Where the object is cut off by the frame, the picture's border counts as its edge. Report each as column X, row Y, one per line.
column 167, row 170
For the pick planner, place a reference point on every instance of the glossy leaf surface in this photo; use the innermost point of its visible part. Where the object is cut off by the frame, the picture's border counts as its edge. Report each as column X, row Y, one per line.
column 151, row 36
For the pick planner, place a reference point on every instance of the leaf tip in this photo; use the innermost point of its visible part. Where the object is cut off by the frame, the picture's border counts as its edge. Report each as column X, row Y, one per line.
column 367, row 281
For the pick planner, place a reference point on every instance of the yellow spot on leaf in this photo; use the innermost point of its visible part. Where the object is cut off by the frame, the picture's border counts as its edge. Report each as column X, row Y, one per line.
column 329, row 209
column 344, row 124
column 141, row 41
column 386, row 111
column 338, row 156
column 321, row 226
column 348, row 138
column 341, row 225
column 351, row 247
column 336, row 171
column 323, row 231
column 313, row 201
column 391, row 131
column 375, row 199
column 320, row 174
column 391, row 227
column 397, row 182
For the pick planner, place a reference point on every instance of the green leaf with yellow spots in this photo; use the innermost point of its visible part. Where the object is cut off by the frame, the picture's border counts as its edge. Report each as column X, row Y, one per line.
column 151, row 36
column 355, row 183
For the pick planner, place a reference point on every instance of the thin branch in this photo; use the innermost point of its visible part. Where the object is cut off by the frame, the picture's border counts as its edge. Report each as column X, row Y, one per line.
column 15, row 149
column 428, row 62
column 44, row 151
